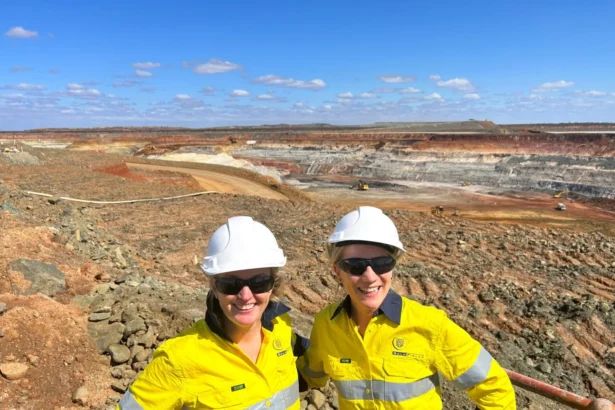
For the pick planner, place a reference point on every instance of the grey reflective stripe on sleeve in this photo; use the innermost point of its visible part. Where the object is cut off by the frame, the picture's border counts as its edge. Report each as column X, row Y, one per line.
column 282, row 400
column 477, row 373
column 128, row 402
column 311, row 373
column 385, row 391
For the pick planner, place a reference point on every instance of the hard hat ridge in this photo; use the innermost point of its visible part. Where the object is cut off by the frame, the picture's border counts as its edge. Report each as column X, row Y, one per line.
column 240, row 244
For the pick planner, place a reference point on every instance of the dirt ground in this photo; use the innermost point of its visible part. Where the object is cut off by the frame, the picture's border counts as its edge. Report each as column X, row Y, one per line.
column 536, row 291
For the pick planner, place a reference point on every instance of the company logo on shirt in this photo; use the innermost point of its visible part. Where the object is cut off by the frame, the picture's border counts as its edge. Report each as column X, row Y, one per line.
column 277, row 344
column 399, row 343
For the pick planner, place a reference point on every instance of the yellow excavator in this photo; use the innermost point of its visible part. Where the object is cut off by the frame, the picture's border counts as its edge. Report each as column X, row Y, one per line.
column 561, row 194
column 360, row 186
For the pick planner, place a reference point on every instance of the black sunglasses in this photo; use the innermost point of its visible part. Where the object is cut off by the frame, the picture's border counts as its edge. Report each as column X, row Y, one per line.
column 232, row 286
column 357, row 266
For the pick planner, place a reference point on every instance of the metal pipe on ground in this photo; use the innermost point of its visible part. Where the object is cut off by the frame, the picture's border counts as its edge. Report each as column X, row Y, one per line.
column 561, row 396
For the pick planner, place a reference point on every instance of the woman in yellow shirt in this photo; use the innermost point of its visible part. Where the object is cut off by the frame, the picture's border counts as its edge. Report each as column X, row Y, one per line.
column 383, row 351
column 242, row 354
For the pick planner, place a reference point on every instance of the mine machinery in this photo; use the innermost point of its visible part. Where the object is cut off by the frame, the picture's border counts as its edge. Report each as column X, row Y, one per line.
column 466, row 183
column 563, row 193
column 360, row 186
column 437, row 211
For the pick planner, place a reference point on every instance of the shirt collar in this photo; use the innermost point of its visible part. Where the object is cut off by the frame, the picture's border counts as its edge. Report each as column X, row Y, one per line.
column 390, row 307
column 214, row 313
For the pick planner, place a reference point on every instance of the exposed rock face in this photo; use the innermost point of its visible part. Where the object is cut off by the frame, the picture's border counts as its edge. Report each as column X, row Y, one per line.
column 584, row 175
column 45, row 278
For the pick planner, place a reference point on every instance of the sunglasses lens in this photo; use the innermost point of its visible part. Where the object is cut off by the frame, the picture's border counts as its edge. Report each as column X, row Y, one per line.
column 261, row 284
column 383, row 264
column 356, row 266
column 232, row 286
column 229, row 286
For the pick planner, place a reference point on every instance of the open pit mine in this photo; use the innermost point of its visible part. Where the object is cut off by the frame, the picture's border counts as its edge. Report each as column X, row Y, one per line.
column 509, row 229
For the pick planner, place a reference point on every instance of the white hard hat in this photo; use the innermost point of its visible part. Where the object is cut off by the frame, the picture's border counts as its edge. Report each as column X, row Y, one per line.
column 242, row 243
column 367, row 224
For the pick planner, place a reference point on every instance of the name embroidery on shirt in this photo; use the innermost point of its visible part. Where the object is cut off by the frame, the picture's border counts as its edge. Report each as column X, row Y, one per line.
column 282, row 353
column 345, row 361
column 238, row 387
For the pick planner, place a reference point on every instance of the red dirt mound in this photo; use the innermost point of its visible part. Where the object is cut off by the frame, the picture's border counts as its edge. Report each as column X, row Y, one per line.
column 121, row 170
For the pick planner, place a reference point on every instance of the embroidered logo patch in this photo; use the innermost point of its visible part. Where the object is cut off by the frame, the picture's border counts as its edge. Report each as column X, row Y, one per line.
column 238, row 387
column 277, row 344
column 399, row 343
column 345, row 361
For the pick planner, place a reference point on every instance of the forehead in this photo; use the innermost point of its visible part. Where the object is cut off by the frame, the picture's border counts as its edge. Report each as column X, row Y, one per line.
column 363, row 251
column 247, row 274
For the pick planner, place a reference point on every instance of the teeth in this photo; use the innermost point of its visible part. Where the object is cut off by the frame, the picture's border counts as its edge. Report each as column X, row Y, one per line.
column 246, row 307
column 370, row 290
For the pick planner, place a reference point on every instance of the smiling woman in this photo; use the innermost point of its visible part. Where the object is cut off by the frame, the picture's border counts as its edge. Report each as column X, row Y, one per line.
column 383, row 351
column 243, row 354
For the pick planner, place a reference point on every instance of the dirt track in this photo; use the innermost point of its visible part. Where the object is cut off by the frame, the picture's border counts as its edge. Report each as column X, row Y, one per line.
column 215, row 181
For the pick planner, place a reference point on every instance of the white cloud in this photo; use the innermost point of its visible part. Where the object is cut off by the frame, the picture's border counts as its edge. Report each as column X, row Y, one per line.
column 553, row 86
column 435, row 77
column 434, row 96
column 315, row 84
column 410, row 90
column 74, row 86
column 215, row 66
column 367, row 95
column 20, row 32
column 125, row 84
column 395, row 78
column 384, row 90
column 472, row 96
column 459, row 84
column 299, row 105
column 19, row 69
column 265, row 97
column 239, row 93
column 68, row 111
column 148, row 89
column 24, row 87
column 326, row 107
column 12, row 96
column 209, row 91
column 347, row 96
column 142, row 73
column 181, row 97
column 146, row 66
column 83, row 93
column 592, row 93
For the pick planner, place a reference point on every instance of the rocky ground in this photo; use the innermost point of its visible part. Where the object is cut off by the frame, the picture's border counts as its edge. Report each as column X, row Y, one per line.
column 89, row 291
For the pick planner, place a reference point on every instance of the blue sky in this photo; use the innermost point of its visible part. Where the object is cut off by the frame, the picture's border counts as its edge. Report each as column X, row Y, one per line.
column 205, row 63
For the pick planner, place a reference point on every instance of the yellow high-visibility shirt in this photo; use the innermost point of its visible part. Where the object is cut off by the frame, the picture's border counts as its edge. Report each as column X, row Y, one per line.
column 396, row 364
column 202, row 368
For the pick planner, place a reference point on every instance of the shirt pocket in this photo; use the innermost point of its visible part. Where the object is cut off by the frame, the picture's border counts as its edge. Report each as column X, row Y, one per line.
column 403, row 369
column 216, row 399
column 340, row 368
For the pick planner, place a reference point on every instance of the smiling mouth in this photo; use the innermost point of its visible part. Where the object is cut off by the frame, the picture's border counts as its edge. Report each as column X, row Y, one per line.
column 371, row 290
column 245, row 308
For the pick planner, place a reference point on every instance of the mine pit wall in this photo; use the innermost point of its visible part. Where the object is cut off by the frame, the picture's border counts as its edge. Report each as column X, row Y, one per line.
column 587, row 176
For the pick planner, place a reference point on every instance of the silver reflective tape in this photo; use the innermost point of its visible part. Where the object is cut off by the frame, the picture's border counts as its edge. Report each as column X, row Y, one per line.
column 128, row 402
column 385, row 391
column 477, row 373
column 282, row 400
column 311, row 373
